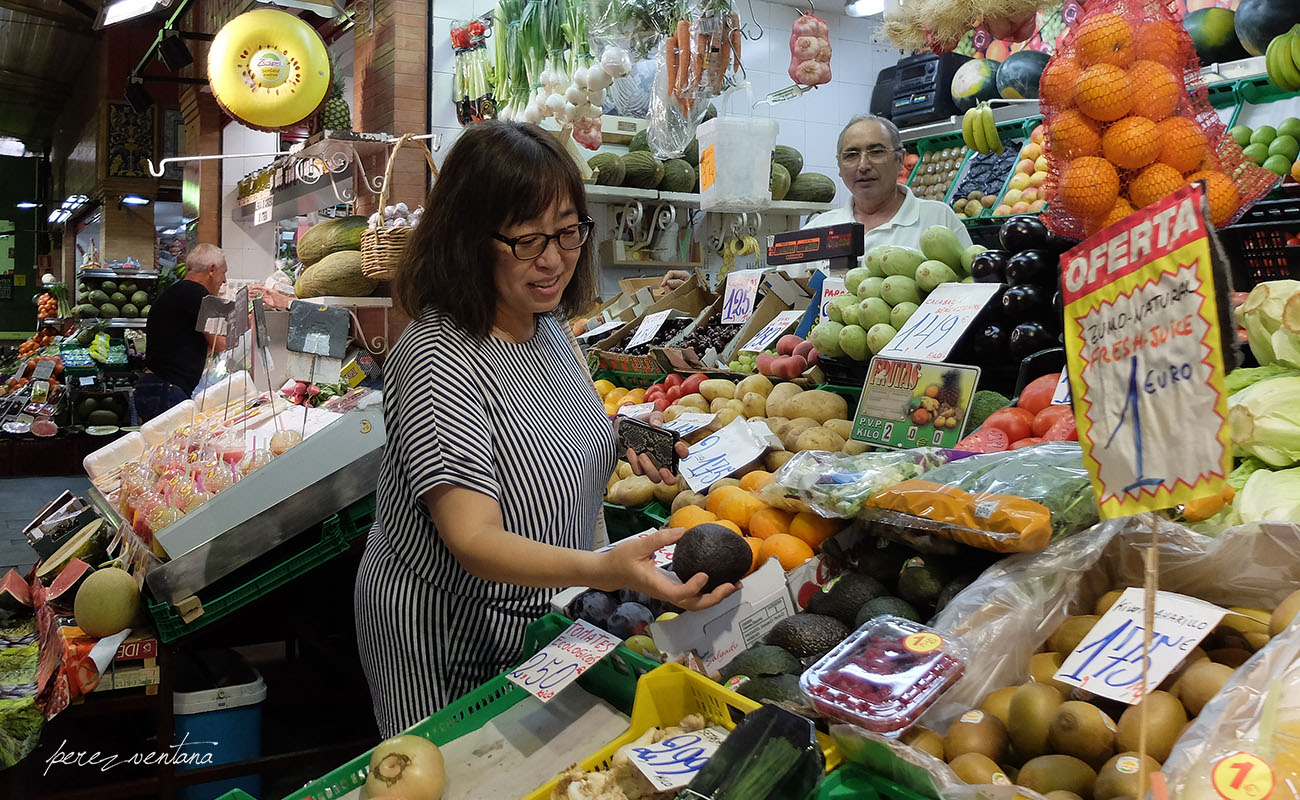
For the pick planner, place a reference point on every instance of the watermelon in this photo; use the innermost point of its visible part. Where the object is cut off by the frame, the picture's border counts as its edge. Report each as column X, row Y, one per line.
column 15, row 597
column 1017, row 78
column 692, row 154
column 1259, row 22
column 779, row 182
column 789, row 158
column 974, row 81
column 608, row 168
column 811, row 187
column 331, row 236
column 63, row 591
column 640, row 141
column 679, row 176
column 642, row 170
column 1213, row 34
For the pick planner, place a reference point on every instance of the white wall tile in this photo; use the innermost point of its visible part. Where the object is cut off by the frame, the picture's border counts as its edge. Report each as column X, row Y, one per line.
column 444, row 107
column 453, row 9
column 444, row 55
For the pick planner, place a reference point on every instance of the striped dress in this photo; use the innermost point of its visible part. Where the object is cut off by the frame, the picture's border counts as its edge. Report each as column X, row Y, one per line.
column 519, row 423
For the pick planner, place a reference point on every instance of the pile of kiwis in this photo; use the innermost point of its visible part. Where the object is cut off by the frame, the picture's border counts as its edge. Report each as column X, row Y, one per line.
column 1070, row 745
column 934, row 175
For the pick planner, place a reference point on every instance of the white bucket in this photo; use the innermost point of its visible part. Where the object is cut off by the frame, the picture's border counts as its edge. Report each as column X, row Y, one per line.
column 735, row 160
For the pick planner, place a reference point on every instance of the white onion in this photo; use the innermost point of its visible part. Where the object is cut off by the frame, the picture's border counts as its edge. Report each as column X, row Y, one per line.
column 580, row 78
column 408, row 767
column 575, row 95
column 591, row 111
column 555, row 104
column 615, row 61
column 598, row 78
column 533, row 115
column 596, row 97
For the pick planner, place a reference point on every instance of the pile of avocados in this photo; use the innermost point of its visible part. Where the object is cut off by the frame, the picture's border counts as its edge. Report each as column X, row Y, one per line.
column 106, row 298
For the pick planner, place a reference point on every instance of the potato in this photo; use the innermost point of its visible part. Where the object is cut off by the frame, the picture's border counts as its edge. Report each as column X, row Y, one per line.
column 634, row 492
column 624, row 470
column 855, row 448
column 778, row 399
column 720, row 482
column 687, row 498
column 754, row 405
column 776, row 459
column 613, row 479
column 667, row 492
column 724, row 418
column 819, row 405
column 754, row 383
column 777, row 425
column 695, row 401
column 717, row 387
column 718, row 403
column 791, row 433
column 673, row 412
column 819, row 439
column 843, row 427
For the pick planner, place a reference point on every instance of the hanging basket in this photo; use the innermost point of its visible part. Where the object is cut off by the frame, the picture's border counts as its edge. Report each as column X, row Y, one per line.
column 382, row 248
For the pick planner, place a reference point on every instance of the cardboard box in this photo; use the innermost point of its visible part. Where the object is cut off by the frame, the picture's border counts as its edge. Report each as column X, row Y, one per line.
column 690, row 298
column 675, row 359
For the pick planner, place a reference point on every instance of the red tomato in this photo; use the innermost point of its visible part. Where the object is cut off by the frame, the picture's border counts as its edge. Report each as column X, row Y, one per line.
column 985, row 440
column 1038, row 394
column 692, row 384
column 1049, row 416
column 1027, row 442
column 673, row 380
column 655, row 392
column 674, row 394
column 1016, row 423
column 662, row 404
column 1063, row 431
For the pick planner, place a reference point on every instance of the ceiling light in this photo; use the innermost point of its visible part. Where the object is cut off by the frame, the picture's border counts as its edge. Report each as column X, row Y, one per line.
column 135, row 200
column 59, row 216
column 863, row 8
column 122, row 10
column 27, row 204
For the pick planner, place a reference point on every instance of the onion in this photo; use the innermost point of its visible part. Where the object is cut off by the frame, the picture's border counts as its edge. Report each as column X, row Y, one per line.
column 406, row 767
column 598, row 79
column 555, row 104
column 575, row 95
column 580, row 78
column 596, row 97
column 615, row 61
column 532, row 115
column 571, row 112
column 592, row 111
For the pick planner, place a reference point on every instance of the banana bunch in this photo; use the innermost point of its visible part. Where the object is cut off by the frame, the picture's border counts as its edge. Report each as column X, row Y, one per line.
column 99, row 348
column 979, row 131
column 1282, row 59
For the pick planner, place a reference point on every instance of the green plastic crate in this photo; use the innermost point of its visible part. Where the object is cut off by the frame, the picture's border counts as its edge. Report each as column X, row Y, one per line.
column 931, row 144
column 236, row 794
column 1261, row 90
column 622, row 522
column 852, row 781
column 629, row 380
column 337, row 534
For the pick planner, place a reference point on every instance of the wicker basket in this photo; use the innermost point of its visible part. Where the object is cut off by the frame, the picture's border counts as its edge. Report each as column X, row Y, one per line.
column 382, row 248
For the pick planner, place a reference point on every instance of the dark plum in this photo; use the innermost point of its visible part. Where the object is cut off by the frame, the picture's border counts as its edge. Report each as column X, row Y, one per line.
column 629, row 619
column 990, row 266
column 593, row 606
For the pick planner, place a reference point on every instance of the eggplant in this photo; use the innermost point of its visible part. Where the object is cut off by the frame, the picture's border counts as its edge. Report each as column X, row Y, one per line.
column 1032, row 266
column 1024, row 302
column 991, row 341
column 990, row 266
column 1023, row 233
column 1056, row 243
column 1058, row 303
column 1028, row 338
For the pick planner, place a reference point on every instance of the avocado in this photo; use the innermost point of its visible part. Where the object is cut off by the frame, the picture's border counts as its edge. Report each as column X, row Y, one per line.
column 108, row 286
column 139, row 298
column 144, row 312
column 1084, row 731
column 762, row 659
column 128, row 288
column 950, row 591
column 714, row 550
column 807, row 635
column 773, row 689
column 842, row 597
column 86, row 406
column 108, row 311
column 129, row 311
column 98, row 297
column 977, row 732
column 884, row 561
column 1058, row 773
column 880, row 606
column 117, row 299
column 921, row 582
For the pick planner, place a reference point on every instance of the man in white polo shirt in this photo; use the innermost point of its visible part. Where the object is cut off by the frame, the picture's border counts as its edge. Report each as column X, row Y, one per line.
column 870, row 154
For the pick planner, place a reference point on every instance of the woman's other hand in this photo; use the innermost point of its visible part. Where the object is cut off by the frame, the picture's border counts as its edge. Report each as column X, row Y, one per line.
column 642, row 463
column 631, row 565
column 673, row 278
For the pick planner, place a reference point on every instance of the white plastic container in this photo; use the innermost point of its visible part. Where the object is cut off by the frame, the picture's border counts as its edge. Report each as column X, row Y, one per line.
column 735, row 161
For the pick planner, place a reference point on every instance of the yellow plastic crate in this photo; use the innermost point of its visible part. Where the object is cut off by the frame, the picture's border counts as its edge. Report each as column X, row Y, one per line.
column 665, row 695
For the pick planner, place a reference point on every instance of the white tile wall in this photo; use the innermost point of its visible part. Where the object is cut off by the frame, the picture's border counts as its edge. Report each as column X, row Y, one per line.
column 250, row 250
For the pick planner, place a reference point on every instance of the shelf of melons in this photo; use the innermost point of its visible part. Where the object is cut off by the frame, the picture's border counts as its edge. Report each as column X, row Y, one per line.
column 624, row 194
column 104, row 272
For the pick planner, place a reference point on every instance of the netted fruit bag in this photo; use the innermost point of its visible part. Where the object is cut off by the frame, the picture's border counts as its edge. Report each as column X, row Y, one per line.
column 1129, row 122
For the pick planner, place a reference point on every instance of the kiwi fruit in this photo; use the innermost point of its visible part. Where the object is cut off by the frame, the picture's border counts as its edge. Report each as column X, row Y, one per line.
column 1230, row 656
column 1196, row 654
column 1082, row 730
column 1032, row 708
column 1119, row 776
column 1061, row 794
column 1284, row 613
column 1106, row 601
column 1058, row 773
column 977, row 768
column 1166, row 719
column 1068, row 634
column 1201, row 682
column 998, row 703
column 977, row 732
column 1042, row 669
column 922, row 738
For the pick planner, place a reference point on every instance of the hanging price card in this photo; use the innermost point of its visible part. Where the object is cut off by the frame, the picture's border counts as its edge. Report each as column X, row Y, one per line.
column 673, row 762
column 742, row 289
column 914, row 403
column 689, row 423
column 648, row 328
column 770, row 332
column 563, row 661
column 262, row 210
column 1108, row 661
column 595, row 332
column 1145, row 358
column 720, row 454
column 44, row 369
column 1061, row 397
column 933, row 330
column 832, row 288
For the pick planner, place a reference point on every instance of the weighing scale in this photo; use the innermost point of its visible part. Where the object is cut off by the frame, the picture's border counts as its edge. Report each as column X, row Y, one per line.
column 841, row 245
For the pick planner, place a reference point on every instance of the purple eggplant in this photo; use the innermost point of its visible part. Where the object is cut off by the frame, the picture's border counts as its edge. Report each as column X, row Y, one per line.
column 990, row 266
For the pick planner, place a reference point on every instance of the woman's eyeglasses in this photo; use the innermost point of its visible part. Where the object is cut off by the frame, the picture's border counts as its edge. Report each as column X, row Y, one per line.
column 532, row 245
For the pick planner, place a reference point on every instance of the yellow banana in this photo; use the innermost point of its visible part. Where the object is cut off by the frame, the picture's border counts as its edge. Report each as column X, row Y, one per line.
column 991, row 136
column 977, row 133
column 968, row 128
column 1277, row 61
column 1294, row 45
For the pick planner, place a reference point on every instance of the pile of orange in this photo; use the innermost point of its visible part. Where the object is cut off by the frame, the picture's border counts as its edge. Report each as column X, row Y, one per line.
column 1122, row 136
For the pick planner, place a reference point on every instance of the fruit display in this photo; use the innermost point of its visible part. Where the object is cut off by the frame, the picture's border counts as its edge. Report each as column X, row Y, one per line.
column 53, row 303
column 793, row 356
column 712, row 335
column 975, row 82
column 1025, row 192
column 1213, row 33
column 1259, row 22
column 1031, row 313
column 982, row 180
column 979, row 131
column 662, row 337
column 110, row 298
column 936, row 171
column 1276, row 148
column 1281, row 59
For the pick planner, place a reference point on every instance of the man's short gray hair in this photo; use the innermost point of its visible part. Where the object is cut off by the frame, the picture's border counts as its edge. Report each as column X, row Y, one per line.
column 895, row 138
column 204, row 257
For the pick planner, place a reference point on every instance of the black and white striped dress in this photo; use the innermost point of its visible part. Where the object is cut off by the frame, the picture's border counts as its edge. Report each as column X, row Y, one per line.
column 519, row 423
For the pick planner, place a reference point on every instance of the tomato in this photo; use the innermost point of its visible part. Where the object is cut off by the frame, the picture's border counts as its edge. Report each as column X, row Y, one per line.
column 673, row 380
column 985, row 440
column 1016, row 423
column 1026, row 442
column 655, row 392
column 661, row 404
column 1049, row 416
column 674, row 394
column 692, row 384
column 1063, row 431
column 1038, row 394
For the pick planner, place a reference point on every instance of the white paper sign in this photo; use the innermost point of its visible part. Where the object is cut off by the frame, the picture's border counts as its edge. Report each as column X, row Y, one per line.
column 663, row 557
column 604, row 328
column 1061, row 397
column 564, row 660
column 689, row 423
column 648, row 328
column 742, row 289
column 718, row 455
column 759, row 428
column 635, row 410
column 933, row 330
column 87, row 380
column 772, row 331
column 44, row 369
column 1108, row 662
column 262, row 210
column 673, row 762
column 831, row 289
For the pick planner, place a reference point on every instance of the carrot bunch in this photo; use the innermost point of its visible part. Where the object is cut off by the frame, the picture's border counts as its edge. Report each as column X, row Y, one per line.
column 698, row 60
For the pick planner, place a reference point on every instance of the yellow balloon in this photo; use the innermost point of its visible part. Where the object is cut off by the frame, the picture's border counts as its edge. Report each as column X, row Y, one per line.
column 269, row 69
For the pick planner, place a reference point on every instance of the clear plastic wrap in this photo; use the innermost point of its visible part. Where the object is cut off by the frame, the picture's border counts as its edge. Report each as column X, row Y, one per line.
column 671, row 129
column 1010, row 502
column 838, row 484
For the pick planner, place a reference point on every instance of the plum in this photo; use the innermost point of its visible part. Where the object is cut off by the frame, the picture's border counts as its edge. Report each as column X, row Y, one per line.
column 629, row 619
column 593, row 606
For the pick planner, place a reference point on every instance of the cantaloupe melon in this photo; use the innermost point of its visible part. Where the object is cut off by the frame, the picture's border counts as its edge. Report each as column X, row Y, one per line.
column 335, row 275
column 107, row 602
column 330, row 236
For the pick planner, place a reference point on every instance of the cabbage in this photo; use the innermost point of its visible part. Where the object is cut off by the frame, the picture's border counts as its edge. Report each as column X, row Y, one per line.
column 1270, row 496
column 1239, row 379
column 1238, row 477
column 1265, row 314
column 1265, row 421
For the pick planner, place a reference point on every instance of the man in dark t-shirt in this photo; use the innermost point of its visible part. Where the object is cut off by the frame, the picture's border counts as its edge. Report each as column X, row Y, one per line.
column 175, row 352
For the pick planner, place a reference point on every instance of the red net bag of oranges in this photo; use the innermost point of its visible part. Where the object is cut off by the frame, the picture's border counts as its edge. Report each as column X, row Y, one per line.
column 1129, row 122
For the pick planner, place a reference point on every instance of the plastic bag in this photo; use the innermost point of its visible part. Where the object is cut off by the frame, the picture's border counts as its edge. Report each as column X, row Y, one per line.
column 838, row 485
column 1009, row 502
column 688, row 78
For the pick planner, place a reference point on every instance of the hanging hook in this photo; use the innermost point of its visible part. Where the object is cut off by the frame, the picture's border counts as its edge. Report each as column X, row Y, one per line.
column 757, row 226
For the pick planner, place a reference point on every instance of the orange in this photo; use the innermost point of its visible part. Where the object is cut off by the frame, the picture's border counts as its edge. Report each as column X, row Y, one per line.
column 1104, row 39
column 1161, row 41
column 769, row 521
column 1121, row 209
column 690, row 516
column 1073, row 135
column 813, row 529
column 739, row 507
column 1222, row 192
column 719, row 496
column 791, row 552
column 1183, row 143
column 1131, row 143
column 1295, row 170
column 753, row 481
column 1155, row 90
column 755, row 545
column 731, row 526
column 1154, row 183
column 1103, row 92
column 1056, row 84
column 1088, row 187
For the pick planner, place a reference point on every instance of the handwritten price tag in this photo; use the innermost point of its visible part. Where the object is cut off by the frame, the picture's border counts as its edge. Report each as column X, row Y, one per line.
column 1061, row 397
column 720, row 454
column 613, row 324
column 563, row 661
column 635, row 410
column 648, row 328
column 831, row 288
column 1108, row 661
column 742, row 289
column 262, row 210
column 44, row 369
column 673, row 762
column 690, row 422
column 934, row 329
column 772, row 331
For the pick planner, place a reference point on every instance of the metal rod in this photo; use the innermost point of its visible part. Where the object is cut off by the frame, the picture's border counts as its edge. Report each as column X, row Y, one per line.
column 157, row 171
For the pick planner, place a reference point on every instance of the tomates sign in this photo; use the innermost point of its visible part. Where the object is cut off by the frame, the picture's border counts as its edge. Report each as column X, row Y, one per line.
column 1145, row 358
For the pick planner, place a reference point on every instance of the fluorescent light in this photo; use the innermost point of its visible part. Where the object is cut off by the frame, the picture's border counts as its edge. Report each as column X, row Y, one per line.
column 863, row 8
column 59, row 216
column 135, row 200
column 169, row 232
column 122, row 10
column 27, row 204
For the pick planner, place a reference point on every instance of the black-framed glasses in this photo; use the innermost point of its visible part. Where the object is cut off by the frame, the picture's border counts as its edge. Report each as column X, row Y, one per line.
column 876, row 155
column 532, row 245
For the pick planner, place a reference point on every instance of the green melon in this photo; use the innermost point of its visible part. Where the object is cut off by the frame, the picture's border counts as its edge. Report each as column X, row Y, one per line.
column 140, row 298
column 779, row 182
column 692, row 154
column 1214, row 35
column 679, row 176
column 144, row 312
column 811, row 187
column 608, row 168
column 335, row 275
column 642, row 170
column 1017, row 78
column 974, row 81
column 97, row 298
column 331, row 236
column 118, row 299
column 107, row 602
column 1259, row 22
column 85, row 311
column 108, row 311
column 789, row 158
column 640, row 141
column 128, row 288
column 108, row 286
column 130, row 311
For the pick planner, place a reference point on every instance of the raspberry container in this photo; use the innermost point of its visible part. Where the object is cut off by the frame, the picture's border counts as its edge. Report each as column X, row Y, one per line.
column 886, row 674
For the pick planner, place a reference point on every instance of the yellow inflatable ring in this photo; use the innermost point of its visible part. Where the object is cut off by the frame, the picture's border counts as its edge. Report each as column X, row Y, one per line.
column 268, row 69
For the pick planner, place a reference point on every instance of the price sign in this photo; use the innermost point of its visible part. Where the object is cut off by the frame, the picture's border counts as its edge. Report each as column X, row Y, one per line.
column 1242, row 776
column 690, row 422
column 262, row 210
column 742, row 289
column 213, row 312
column 1108, row 661
column 563, row 661
column 1061, row 397
column 648, row 328
column 933, row 330
column 720, row 454
column 772, row 331
column 909, row 404
column 44, row 369
column 86, row 380
column 635, row 410
column 832, row 288
column 590, row 335
column 1144, row 352
column 673, row 762
column 318, row 330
